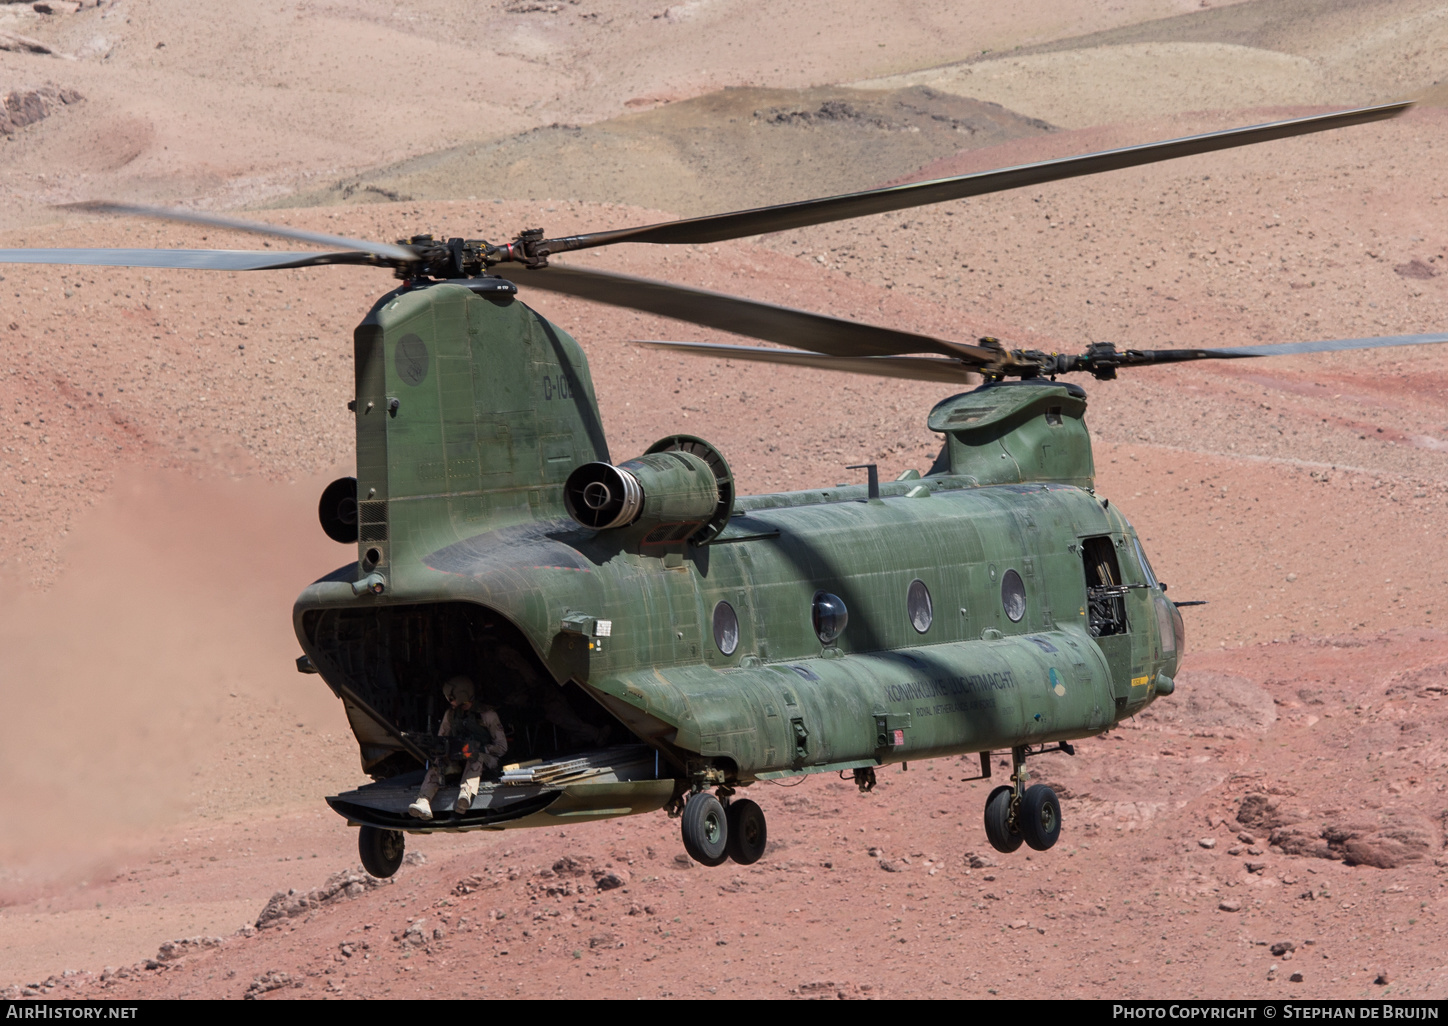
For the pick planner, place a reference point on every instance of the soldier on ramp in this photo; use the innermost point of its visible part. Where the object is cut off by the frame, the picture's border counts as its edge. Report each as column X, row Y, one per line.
column 482, row 731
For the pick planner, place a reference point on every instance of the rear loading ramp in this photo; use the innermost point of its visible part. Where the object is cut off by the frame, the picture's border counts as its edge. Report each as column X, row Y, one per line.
column 602, row 784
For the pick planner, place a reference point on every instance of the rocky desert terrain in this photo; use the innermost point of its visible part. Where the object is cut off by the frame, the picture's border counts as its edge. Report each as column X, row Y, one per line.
column 1276, row 828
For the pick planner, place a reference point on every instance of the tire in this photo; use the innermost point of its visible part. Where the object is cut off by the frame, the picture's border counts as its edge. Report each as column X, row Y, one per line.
column 1040, row 817
column 998, row 821
column 705, row 828
column 381, row 850
column 748, row 834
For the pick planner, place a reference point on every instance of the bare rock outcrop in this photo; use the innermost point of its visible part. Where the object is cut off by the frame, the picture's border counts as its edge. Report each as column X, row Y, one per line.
column 1403, row 837
column 420, row 932
column 1266, row 812
column 1385, row 840
column 270, row 981
column 22, row 107
column 1397, row 839
column 350, row 883
column 572, row 875
column 177, row 949
column 1429, row 681
column 1304, row 839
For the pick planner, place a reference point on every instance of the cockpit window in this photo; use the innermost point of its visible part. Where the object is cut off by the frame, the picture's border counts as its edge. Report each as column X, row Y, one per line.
column 1145, row 564
column 1146, row 571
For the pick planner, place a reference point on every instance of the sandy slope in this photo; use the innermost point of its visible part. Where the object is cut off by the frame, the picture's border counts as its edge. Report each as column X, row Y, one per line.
column 762, row 146
column 232, row 103
column 166, row 436
column 1256, row 54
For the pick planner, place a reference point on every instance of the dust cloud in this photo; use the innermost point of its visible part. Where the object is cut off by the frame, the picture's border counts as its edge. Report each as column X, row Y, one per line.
column 115, row 683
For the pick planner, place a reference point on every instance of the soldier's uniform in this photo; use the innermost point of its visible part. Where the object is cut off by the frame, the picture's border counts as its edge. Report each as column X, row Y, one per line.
column 480, row 726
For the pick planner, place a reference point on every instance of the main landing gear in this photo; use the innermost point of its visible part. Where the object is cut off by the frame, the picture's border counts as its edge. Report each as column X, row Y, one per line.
column 1016, row 813
column 715, row 830
column 381, row 850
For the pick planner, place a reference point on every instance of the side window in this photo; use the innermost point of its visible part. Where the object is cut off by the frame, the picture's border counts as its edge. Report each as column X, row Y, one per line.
column 1105, row 593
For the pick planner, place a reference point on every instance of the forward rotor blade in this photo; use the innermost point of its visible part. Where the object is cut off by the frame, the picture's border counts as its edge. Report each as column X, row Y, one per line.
column 1332, row 345
column 917, row 368
column 718, row 227
column 832, row 336
column 186, row 259
column 389, row 254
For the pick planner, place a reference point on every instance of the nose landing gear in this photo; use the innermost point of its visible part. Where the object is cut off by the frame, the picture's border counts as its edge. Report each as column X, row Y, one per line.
column 1039, row 815
column 1000, row 826
column 1015, row 813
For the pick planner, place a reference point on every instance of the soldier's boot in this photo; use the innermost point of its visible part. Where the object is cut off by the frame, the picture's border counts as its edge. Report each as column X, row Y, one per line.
column 467, row 791
column 421, row 808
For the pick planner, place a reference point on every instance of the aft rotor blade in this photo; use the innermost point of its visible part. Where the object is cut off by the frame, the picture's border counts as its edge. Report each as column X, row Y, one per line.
column 186, row 259
column 918, row 368
column 389, row 254
column 718, row 227
column 1147, row 357
column 833, row 336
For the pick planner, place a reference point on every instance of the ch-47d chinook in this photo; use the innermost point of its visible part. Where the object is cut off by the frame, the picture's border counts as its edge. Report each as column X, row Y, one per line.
column 653, row 640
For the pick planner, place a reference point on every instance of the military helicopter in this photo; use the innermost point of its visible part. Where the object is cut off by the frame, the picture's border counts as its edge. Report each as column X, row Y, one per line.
column 650, row 638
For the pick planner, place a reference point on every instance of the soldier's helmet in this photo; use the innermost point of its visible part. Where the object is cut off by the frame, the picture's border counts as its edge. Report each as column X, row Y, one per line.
column 458, row 689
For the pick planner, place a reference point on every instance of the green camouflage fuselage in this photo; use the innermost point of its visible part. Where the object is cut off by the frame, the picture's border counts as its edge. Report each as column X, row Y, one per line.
column 472, row 411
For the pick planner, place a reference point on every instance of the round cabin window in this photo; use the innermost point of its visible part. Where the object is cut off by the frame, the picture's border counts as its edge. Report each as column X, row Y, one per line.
column 726, row 628
column 917, row 601
column 1013, row 596
column 830, row 616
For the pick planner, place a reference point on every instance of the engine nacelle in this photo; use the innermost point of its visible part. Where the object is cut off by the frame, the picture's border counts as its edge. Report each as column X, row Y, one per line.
column 672, row 487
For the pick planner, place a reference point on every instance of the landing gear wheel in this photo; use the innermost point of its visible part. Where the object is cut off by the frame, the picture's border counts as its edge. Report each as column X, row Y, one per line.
column 747, row 832
column 706, row 829
column 381, row 850
column 998, row 821
column 1040, row 817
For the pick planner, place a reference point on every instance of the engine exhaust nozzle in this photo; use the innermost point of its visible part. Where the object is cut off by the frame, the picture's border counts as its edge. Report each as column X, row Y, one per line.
column 601, row 496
